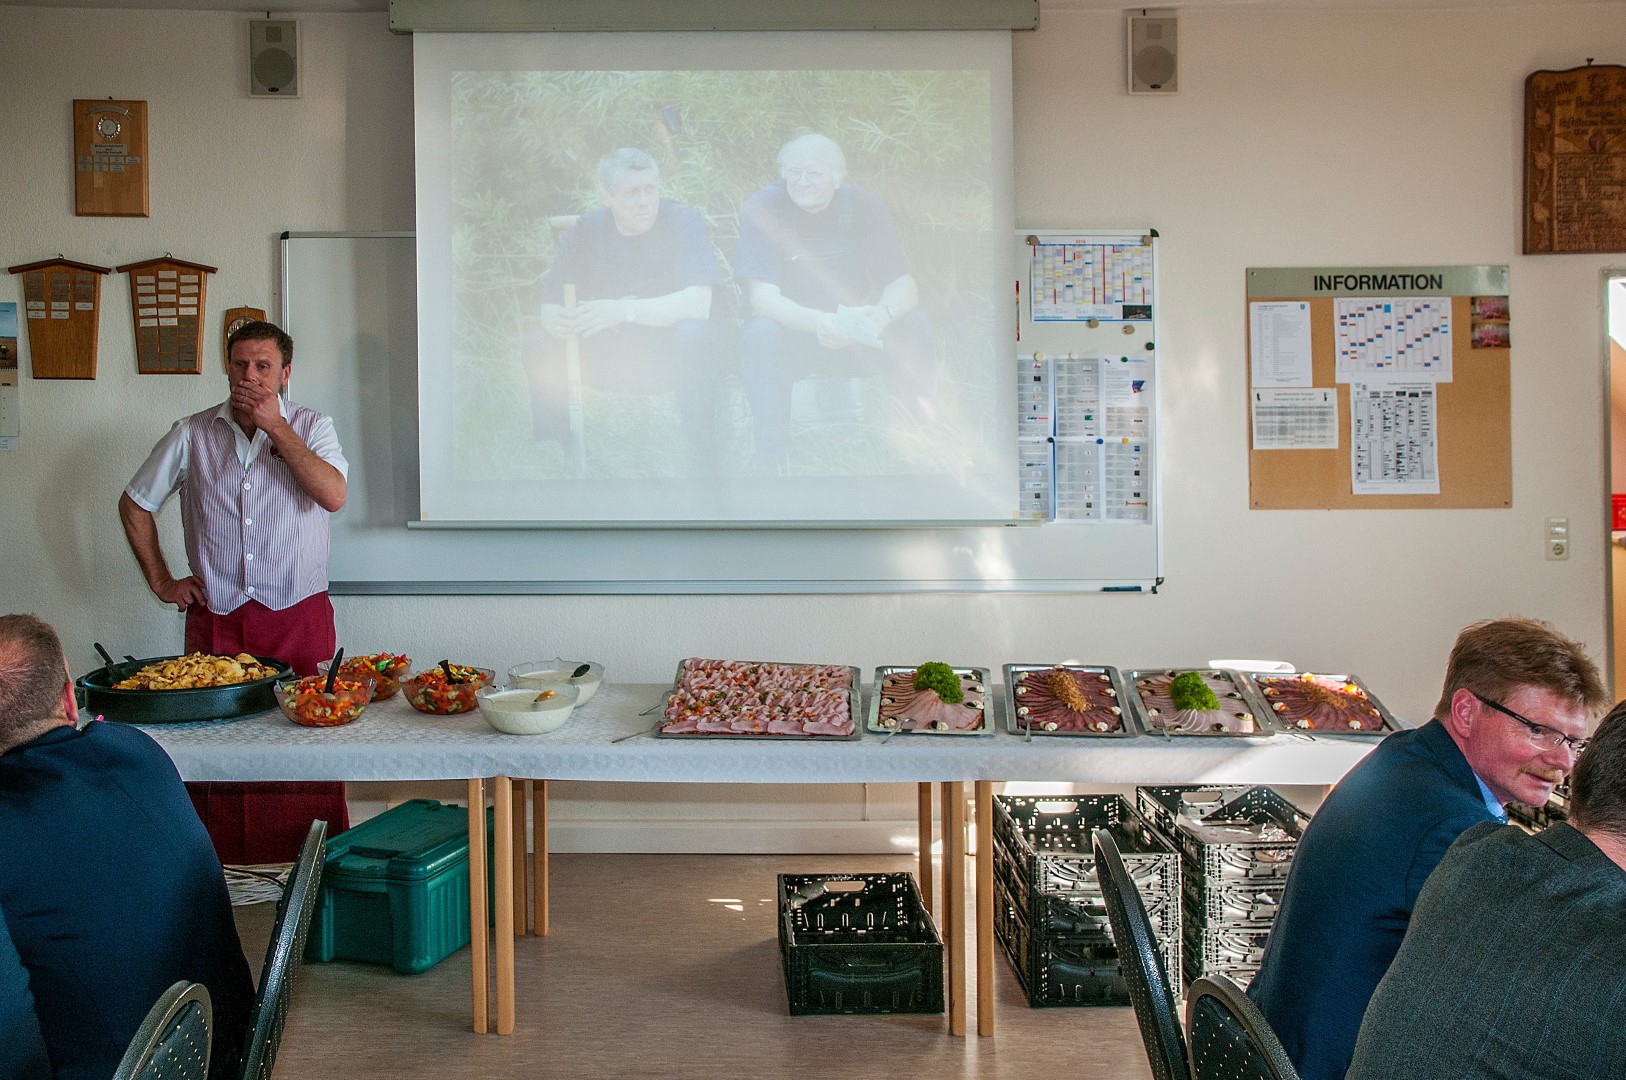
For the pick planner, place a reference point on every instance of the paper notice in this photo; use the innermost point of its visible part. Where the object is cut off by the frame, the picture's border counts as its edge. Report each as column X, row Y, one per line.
column 1295, row 418
column 1394, row 442
column 1279, row 339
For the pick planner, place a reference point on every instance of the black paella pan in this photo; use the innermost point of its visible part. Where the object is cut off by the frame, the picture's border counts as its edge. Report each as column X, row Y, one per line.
column 177, row 706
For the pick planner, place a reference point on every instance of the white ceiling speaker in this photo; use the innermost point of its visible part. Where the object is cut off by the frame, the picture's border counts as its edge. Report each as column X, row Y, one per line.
column 273, row 58
column 1153, row 36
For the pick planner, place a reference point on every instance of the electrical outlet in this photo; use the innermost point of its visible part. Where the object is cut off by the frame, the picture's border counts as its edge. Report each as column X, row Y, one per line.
column 1558, row 538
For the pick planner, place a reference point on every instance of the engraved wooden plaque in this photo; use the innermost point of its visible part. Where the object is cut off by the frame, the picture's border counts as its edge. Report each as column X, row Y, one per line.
column 110, row 159
column 166, row 302
column 1575, row 160
column 61, row 301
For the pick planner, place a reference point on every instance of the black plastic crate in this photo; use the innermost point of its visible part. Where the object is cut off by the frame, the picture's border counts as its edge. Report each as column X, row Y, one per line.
column 1231, row 903
column 1059, row 914
column 858, row 943
column 1209, row 949
column 1241, row 974
column 1046, row 841
column 1078, row 969
column 1225, row 845
column 1162, row 806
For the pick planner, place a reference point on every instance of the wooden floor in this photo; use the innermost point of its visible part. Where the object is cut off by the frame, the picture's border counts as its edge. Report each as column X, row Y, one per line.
column 666, row 966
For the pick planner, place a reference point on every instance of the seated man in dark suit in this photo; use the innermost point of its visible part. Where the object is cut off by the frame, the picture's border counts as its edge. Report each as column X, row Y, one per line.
column 1515, row 962
column 108, row 882
column 1516, row 693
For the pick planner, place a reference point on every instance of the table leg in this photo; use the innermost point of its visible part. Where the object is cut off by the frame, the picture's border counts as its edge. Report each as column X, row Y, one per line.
column 539, row 869
column 502, row 844
column 983, row 801
column 521, row 897
column 478, row 941
column 954, row 900
column 925, row 835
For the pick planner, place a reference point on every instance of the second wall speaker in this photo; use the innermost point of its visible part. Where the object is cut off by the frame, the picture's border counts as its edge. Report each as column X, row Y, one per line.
column 273, row 58
column 1153, row 50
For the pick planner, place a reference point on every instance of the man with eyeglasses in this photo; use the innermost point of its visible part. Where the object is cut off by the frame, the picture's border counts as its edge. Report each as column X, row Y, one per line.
column 1513, row 714
column 1512, row 967
column 830, row 288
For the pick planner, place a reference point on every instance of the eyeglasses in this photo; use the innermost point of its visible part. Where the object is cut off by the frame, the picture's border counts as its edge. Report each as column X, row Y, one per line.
column 1539, row 734
column 805, row 176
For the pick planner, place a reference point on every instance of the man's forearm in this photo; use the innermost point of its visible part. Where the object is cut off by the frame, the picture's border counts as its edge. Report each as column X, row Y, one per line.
column 768, row 302
column 141, row 530
column 693, row 302
column 315, row 477
column 900, row 296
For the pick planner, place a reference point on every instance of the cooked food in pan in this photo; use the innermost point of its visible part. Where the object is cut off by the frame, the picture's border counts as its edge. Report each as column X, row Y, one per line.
column 196, row 670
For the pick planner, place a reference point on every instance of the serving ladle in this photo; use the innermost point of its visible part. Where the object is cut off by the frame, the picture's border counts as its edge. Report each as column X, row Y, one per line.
column 333, row 670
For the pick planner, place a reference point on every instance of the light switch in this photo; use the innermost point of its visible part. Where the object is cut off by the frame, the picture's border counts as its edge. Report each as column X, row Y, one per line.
column 1558, row 538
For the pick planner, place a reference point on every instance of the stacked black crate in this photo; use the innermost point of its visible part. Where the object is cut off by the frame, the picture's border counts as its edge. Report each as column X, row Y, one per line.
column 1049, row 914
column 1236, row 846
column 1534, row 819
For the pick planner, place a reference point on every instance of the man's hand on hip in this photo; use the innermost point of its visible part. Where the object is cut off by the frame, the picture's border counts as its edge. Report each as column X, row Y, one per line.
column 182, row 592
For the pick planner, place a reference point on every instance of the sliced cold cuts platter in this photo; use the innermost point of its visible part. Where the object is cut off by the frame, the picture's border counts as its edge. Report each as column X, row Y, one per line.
column 1200, row 702
column 1068, row 700
column 1324, row 704
column 759, row 699
column 901, row 706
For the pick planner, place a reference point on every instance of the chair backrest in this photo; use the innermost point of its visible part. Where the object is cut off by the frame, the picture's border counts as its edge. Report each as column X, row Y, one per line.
column 283, row 954
column 1230, row 1038
column 172, row 1043
column 1141, row 963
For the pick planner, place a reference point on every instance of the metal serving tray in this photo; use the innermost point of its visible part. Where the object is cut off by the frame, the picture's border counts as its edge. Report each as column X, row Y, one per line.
column 1127, row 727
column 978, row 673
column 854, row 696
column 1261, row 727
column 1259, row 680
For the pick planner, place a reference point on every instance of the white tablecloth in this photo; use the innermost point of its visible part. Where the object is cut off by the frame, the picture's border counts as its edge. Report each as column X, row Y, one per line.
column 393, row 742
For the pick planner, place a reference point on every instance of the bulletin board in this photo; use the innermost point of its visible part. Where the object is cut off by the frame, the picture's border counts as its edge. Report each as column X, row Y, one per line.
column 1341, row 320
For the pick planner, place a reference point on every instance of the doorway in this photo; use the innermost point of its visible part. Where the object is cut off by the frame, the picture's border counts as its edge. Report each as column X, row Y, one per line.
column 1614, row 303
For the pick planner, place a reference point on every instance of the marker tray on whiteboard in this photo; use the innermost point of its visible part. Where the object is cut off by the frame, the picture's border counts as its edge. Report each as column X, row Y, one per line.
column 1239, row 715
column 974, row 681
column 1104, row 689
column 1322, row 704
column 754, row 729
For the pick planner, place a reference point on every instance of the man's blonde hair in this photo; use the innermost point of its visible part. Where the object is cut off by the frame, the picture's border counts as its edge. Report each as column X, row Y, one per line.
column 1498, row 657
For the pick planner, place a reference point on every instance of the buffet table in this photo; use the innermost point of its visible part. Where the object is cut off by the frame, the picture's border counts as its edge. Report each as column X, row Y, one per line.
column 611, row 739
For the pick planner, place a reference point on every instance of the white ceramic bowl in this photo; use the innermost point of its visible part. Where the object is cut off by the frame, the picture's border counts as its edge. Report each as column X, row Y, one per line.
column 517, row 712
column 552, row 674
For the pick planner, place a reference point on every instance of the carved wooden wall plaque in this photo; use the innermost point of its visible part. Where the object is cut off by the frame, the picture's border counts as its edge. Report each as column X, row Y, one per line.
column 1575, row 160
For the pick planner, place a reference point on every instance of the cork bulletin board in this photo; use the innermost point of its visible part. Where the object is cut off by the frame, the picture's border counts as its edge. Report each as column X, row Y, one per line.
column 1575, row 160
column 1469, row 420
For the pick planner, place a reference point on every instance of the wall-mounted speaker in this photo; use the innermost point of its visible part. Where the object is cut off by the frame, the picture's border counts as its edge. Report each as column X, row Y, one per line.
column 1153, row 35
column 273, row 58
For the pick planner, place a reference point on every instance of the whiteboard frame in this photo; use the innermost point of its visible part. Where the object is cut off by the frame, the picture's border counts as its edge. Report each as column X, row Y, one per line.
column 1012, row 556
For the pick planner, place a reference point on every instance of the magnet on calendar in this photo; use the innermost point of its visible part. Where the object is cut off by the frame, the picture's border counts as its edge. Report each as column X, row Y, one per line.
column 1092, row 323
column 1129, row 328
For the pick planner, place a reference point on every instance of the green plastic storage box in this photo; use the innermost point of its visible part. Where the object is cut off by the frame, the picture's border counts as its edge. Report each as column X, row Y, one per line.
column 395, row 889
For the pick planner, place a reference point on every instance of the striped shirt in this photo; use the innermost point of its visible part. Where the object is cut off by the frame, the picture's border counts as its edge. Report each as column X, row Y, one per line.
column 251, row 531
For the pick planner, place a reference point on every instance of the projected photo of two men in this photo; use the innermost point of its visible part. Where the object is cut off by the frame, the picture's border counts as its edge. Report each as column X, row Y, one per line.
column 742, row 277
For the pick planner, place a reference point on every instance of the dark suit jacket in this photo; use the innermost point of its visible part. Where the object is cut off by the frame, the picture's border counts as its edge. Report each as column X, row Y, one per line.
column 112, row 892
column 1355, row 877
column 22, row 1049
column 1514, row 966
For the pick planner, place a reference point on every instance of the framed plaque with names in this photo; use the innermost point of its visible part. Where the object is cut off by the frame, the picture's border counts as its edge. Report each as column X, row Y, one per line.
column 110, row 159
column 1575, row 160
column 229, row 322
column 167, row 303
column 61, row 304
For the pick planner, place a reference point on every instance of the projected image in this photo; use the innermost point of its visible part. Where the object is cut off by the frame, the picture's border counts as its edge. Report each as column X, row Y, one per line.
column 729, row 274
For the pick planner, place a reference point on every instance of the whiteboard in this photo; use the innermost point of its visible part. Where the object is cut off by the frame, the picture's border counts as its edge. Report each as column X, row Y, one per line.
column 348, row 300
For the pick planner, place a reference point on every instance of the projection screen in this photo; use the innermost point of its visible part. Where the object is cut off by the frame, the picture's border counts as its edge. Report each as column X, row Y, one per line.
column 715, row 279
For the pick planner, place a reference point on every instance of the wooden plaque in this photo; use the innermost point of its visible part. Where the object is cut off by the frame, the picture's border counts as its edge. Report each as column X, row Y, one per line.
column 1575, row 160
column 110, row 159
column 167, row 304
column 229, row 322
column 61, row 301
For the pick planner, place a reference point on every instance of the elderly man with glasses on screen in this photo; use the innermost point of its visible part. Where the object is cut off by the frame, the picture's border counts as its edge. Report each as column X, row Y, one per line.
column 1512, row 717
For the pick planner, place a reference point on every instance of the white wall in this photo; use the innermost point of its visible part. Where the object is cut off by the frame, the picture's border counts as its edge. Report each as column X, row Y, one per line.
column 1298, row 138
